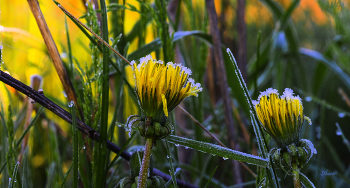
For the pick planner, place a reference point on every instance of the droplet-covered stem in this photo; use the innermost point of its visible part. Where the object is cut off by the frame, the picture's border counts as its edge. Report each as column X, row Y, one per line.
column 145, row 164
column 296, row 178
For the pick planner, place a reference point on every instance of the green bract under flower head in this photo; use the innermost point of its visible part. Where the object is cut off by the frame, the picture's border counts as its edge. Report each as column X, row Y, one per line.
column 282, row 117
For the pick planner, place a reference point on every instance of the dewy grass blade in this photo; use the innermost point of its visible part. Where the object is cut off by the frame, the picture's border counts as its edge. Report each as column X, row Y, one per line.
column 257, row 127
column 330, row 64
column 13, row 180
column 212, row 174
column 218, row 151
column 71, row 165
column 340, row 132
column 123, row 148
column 172, row 173
column 24, row 133
column 103, row 12
column 75, row 147
column 305, row 181
column 101, row 166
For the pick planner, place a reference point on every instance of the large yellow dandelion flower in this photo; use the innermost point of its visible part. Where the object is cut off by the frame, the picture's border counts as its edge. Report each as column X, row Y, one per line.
column 161, row 87
column 282, row 117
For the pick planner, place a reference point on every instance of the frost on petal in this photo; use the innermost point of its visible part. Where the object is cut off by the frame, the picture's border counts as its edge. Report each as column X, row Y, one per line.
column 132, row 63
column 271, row 91
column 187, row 70
column 297, row 98
column 160, row 62
column 170, row 64
column 146, row 59
column 287, row 94
column 255, row 102
column 190, row 80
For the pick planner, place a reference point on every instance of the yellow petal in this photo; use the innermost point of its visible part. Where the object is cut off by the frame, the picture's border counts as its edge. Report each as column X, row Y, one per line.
column 165, row 105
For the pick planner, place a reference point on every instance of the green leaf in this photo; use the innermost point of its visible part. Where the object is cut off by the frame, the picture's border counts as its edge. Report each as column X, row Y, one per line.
column 157, row 44
column 330, row 64
column 172, row 173
column 101, row 146
column 218, row 151
column 305, row 181
column 256, row 124
column 212, row 174
column 75, row 147
column 13, row 180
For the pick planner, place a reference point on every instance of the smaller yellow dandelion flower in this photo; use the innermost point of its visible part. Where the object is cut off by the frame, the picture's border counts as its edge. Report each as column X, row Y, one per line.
column 282, row 117
column 161, row 87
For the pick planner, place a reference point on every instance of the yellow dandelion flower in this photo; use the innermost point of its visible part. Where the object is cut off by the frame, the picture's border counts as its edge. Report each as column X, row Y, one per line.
column 161, row 87
column 281, row 117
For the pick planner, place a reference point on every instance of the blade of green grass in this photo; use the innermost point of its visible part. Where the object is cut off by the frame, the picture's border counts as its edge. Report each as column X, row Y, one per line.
column 257, row 126
column 132, row 138
column 14, row 175
column 345, row 140
column 218, row 150
column 24, row 133
column 101, row 166
column 212, row 174
column 305, row 181
column 75, row 147
column 172, row 173
column 331, row 65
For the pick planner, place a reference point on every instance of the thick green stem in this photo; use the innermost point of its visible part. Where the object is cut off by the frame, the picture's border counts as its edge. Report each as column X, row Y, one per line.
column 296, row 178
column 145, row 164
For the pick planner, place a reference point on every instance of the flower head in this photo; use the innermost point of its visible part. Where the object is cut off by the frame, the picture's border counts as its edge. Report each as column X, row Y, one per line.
column 161, row 87
column 282, row 117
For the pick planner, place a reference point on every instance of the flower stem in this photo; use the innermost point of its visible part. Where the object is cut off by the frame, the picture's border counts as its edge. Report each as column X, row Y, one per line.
column 145, row 163
column 296, row 178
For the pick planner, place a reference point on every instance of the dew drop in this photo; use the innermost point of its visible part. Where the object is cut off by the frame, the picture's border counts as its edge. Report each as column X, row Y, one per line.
column 341, row 114
column 308, row 99
column 338, row 132
column 224, row 158
column 167, row 156
column 318, row 135
column 177, row 144
column 84, row 147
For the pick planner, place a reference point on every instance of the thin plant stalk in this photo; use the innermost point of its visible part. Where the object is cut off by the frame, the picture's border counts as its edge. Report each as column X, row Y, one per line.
column 145, row 163
column 53, row 52
column 87, row 28
column 296, row 178
column 102, row 151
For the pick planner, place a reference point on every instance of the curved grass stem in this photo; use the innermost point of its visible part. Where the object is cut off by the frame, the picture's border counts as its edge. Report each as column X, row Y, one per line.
column 145, row 163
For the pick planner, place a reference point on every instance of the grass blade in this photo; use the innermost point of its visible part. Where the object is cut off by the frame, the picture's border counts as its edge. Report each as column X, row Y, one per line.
column 212, row 174
column 101, row 166
column 13, row 180
column 218, row 151
column 257, row 126
column 132, row 138
column 75, row 147
column 171, row 164
column 305, row 181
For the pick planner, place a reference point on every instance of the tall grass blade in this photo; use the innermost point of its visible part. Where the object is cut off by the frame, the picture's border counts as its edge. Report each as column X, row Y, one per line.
column 212, row 174
column 172, row 173
column 305, row 181
column 14, row 176
column 132, row 138
column 101, row 166
column 218, row 151
column 75, row 147
column 257, row 126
